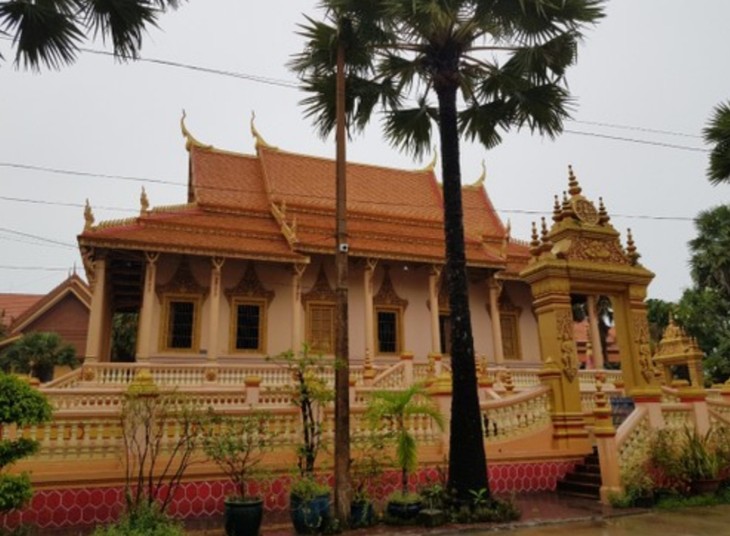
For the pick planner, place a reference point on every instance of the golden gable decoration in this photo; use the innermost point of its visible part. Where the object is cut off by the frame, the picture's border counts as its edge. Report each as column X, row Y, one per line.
column 183, row 282
column 250, row 286
column 387, row 295
column 321, row 291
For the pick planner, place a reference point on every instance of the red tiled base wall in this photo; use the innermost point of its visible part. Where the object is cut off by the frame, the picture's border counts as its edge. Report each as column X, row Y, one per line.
column 87, row 506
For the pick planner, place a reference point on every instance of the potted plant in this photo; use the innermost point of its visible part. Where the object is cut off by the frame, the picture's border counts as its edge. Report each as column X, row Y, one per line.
column 395, row 408
column 367, row 465
column 237, row 445
column 309, row 500
column 699, row 461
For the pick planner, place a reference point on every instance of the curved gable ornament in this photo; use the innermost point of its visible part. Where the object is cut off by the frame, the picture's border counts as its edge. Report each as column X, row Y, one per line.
column 250, row 287
column 321, row 291
column 387, row 295
column 183, row 282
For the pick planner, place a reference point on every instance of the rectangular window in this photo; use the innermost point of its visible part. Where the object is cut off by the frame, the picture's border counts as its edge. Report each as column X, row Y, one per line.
column 510, row 336
column 248, row 326
column 445, row 333
column 181, row 324
column 388, row 326
column 321, row 324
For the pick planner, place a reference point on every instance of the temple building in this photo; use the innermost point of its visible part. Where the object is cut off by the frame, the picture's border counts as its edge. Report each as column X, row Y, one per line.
column 245, row 268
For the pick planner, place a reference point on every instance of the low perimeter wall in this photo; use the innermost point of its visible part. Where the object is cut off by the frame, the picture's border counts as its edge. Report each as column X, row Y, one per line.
column 74, row 507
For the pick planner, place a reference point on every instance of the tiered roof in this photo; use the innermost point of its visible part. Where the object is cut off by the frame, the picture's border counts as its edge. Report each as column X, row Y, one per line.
column 280, row 206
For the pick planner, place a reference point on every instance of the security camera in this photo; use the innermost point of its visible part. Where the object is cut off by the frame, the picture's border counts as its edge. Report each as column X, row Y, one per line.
column 344, row 248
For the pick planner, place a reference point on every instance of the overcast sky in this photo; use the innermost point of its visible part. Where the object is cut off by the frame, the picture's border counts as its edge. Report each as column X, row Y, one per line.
column 652, row 65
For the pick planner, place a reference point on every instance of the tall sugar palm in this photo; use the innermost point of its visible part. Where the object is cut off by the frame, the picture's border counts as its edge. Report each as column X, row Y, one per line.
column 717, row 132
column 48, row 33
column 491, row 65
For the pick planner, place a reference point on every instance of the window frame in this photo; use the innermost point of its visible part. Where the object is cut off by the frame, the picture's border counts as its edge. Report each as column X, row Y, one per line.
column 262, row 304
column 398, row 328
column 511, row 317
column 308, row 328
column 164, row 343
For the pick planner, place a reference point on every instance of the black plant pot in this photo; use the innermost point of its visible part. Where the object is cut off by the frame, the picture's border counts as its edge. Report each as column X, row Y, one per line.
column 243, row 517
column 309, row 516
column 406, row 511
column 362, row 514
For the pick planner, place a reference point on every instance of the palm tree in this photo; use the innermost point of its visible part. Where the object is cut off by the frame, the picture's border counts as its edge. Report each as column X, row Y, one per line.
column 504, row 63
column 37, row 354
column 397, row 407
column 50, row 32
column 717, row 132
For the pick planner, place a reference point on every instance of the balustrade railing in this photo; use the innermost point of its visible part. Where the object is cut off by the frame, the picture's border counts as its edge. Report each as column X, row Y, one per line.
column 516, row 415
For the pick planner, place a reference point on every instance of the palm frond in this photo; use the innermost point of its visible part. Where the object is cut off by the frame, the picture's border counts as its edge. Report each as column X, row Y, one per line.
column 543, row 108
column 481, row 122
column 45, row 32
column 410, row 130
column 717, row 132
column 123, row 21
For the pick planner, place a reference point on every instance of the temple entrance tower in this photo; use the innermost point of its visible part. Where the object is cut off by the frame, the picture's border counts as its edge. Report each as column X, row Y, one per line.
column 581, row 254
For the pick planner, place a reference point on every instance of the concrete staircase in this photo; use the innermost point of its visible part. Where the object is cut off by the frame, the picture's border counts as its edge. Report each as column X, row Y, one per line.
column 584, row 481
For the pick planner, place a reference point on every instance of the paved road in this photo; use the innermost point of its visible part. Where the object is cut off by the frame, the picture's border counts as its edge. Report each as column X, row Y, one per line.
column 699, row 521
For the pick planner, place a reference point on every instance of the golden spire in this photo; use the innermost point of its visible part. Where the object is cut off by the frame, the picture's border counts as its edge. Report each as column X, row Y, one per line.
column 432, row 164
column 535, row 242
column 88, row 216
column 573, row 186
column 260, row 141
column 190, row 140
column 557, row 212
column 546, row 244
column 567, row 211
column 631, row 252
column 603, row 217
column 144, row 203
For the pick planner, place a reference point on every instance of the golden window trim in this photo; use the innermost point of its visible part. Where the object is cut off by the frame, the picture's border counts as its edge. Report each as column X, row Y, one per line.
column 263, row 304
column 514, row 318
column 398, row 328
column 167, row 299
column 308, row 325
column 183, row 282
column 387, row 296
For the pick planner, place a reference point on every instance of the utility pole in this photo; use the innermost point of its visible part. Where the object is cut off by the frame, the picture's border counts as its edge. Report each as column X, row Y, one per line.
column 343, row 487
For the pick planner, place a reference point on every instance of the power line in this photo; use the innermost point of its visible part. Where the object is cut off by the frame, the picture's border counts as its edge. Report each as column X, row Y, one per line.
column 37, row 237
column 61, row 171
column 637, row 128
column 635, row 140
column 34, row 268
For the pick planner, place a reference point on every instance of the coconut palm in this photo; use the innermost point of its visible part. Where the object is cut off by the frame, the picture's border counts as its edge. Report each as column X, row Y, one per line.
column 49, row 32
column 398, row 407
column 717, row 132
column 491, row 65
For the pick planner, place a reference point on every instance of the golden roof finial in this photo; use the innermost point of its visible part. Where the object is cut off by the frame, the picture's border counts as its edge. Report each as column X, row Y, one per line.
column 506, row 238
column 631, row 252
column 482, row 177
column 260, row 141
column 190, row 140
column 88, row 216
column 603, row 217
column 573, row 186
column 432, row 164
column 144, row 203
column 557, row 210
column 535, row 242
column 546, row 244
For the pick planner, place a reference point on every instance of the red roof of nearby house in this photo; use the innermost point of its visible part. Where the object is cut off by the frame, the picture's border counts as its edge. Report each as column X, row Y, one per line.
column 280, row 206
column 13, row 305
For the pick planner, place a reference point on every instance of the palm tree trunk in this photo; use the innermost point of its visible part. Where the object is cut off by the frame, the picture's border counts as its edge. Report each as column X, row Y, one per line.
column 467, row 459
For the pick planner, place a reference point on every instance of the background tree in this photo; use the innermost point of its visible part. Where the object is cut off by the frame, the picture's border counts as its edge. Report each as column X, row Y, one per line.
column 717, row 133
column 20, row 405
column 124, row 337
column 704, row 309
column 657, row 313
column 504, row 63
column 49, row 32
column 37, row 354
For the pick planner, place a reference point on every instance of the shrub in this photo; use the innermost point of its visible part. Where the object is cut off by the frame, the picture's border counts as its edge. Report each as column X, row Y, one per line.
column 146, row 520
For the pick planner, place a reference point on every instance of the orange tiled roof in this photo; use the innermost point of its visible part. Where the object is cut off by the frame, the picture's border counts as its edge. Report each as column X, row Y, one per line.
column 14, row 305
column 280, row 206
column 72, row 283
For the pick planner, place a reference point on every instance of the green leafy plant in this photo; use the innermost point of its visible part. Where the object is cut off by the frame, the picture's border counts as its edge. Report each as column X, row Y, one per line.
column 237, row 445
column 396, row 408
column 147, row 520
column 20, row 405
column 308, row 487
column 37, row 354
column 367, row 465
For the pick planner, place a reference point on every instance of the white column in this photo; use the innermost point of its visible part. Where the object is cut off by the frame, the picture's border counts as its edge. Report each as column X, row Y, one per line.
column 433, row 296
column 214, row 311
column 495, row 289
column 99, row 304
column 296, row 307
column 595, row 334
column 146, row 313
column 369, row 272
